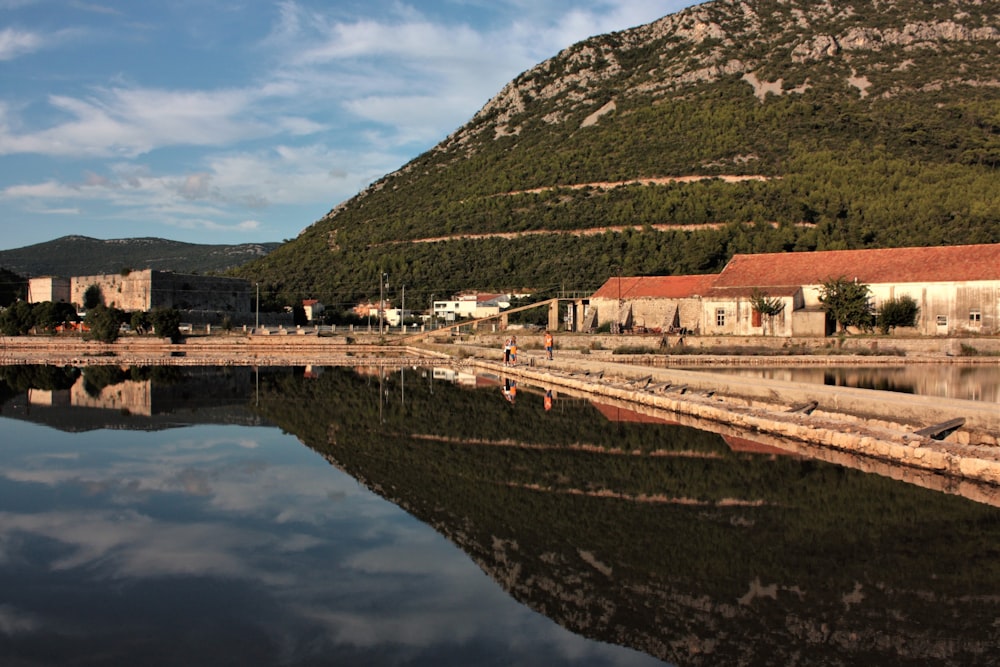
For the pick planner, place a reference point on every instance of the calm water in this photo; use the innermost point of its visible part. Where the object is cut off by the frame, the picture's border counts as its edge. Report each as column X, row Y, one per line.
column 322, row 516
column 979, row 382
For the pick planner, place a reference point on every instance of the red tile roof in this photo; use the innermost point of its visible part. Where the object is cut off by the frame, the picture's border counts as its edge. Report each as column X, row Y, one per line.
column 738, row 444
column 617, row 414
column 892, row 265
column 744, row 291
column 664, row 287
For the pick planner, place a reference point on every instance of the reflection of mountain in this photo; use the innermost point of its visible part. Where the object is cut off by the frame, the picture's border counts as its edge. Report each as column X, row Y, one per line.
column 661, row 537
column 139, row 398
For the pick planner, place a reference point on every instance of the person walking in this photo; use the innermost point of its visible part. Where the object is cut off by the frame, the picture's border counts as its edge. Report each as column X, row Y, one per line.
column 548, row 344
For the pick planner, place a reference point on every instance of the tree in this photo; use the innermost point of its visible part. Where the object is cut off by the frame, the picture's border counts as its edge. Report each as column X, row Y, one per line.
column 846, row 302
column 167, row 322
column 18, row 319
column 765, row 305
column 901, row 312
column 140, row 322
column 299, row 315
column 48, row 315
column 104, row 323
column 92, row 296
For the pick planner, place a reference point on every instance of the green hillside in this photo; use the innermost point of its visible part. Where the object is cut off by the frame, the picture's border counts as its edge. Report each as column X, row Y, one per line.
column 729, row 127
column 84, row 256
column 12, row 287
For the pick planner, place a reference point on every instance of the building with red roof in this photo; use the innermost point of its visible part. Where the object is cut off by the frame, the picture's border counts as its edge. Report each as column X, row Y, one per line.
column 313, row 309
column 957, row 289
column 650, row 303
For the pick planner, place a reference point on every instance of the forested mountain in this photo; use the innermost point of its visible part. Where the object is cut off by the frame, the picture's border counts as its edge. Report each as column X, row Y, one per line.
column 12, row 287
column 732, row 126
column 84, row 256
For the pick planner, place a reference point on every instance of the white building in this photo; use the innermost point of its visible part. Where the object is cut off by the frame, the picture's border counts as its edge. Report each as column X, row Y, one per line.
column 471, row 306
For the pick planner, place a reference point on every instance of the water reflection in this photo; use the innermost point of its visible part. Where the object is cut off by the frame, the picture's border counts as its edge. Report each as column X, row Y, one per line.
column 227, row 543
column 979, row 382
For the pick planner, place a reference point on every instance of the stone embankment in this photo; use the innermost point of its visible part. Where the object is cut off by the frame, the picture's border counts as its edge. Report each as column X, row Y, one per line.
column 877, row 425
column 207, row 351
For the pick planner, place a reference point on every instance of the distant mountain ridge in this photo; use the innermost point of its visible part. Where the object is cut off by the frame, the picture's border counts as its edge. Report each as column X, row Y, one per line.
column 734, row 126
column 85, row 256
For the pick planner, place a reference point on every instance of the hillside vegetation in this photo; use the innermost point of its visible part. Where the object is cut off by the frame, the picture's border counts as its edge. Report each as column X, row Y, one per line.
column 853, row 125
column 84, row 256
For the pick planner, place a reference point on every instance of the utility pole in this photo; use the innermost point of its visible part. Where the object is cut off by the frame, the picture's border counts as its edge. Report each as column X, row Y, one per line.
column 616, row 326
column 256, row 327
column 402, row 305
column 383, row 283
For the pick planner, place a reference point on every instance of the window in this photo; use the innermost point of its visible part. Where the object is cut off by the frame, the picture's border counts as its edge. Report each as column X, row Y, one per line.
column 942, row 320
column 975, row 316
column 720, row 317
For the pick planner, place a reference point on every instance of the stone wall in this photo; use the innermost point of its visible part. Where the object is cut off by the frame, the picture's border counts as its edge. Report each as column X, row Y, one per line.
column 651, row 313
column 909, row 345
column 126, row 292
column 147, row 289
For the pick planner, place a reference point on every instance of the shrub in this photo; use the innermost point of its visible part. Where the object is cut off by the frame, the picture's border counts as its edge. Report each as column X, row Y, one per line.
column 901, row 312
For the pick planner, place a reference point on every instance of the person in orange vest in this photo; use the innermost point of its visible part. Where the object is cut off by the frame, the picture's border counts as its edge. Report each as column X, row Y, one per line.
column 509, row 390
column 548, row 344
column 513, row 350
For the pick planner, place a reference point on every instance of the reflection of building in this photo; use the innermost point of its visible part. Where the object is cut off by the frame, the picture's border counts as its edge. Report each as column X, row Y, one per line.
column 455, row 376
column 129, row 396
column 147, row 398
column 53, row 398
column 148, row 289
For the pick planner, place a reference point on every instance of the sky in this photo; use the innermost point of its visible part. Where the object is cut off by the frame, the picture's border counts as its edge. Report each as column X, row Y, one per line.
column 245, row 121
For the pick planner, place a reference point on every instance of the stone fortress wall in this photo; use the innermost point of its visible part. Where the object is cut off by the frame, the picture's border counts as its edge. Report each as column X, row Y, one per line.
column 148, row 289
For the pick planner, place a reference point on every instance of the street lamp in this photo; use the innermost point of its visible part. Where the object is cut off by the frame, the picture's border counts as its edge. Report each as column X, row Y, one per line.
column 256, row 327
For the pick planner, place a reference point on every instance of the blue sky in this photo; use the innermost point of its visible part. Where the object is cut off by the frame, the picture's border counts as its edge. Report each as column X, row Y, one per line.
column 238, row 121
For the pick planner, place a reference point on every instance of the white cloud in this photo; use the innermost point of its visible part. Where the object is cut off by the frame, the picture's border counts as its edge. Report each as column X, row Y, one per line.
column 330, row 99
column 45, row 190
column 14, row 43
column 60, row 211
column 130, row 122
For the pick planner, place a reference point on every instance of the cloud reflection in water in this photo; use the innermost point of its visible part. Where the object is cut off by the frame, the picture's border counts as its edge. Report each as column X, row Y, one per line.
column 242, row 542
